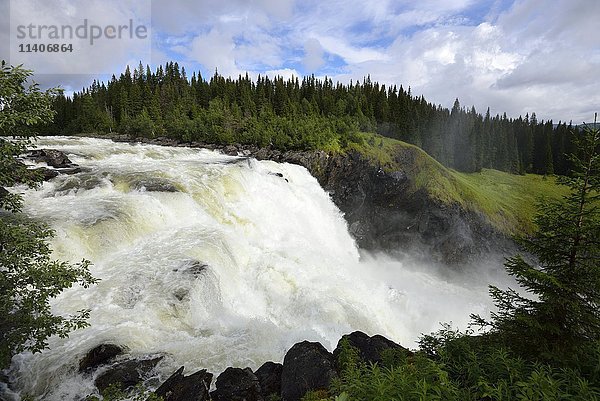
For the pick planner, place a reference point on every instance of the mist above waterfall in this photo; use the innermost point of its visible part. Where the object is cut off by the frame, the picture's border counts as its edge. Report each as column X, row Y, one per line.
column 219, row 261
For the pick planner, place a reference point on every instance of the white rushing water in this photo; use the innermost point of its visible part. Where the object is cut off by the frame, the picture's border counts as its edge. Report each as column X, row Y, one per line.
column 281, row 266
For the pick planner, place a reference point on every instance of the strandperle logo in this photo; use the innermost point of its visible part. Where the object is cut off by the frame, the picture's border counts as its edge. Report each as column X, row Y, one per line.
column 85, row 30
column 79, row 37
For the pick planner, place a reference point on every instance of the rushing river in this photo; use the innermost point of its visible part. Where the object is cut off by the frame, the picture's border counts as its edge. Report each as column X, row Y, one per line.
column 216, row 261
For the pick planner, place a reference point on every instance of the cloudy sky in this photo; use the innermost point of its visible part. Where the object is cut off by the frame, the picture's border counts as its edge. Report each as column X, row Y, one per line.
column 517, row 57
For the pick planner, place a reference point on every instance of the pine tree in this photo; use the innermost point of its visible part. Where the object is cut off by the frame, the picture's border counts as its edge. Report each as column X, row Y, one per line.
column 563, row 314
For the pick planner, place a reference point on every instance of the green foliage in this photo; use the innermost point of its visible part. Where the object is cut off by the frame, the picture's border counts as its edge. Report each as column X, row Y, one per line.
column 417, row 379
column 562, row 312
column 459, row 366
column 23, row 107
column 29, row 277
column 318, row 395
column 414, row 378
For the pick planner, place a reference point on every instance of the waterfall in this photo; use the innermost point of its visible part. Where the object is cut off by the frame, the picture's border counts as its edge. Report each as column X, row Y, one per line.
column 216, row 261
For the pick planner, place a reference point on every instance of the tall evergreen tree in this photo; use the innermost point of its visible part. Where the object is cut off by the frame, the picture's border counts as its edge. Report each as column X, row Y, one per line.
column 561, row 314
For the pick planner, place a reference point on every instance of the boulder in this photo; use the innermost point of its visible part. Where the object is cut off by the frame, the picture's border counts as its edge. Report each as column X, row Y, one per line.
column 307, row 366
column 100, row 355
column 126, row 374
column 236, row 384
column 178, row 387
column 230, row 150
column 52, row 157
column 370, row 348
column 269, row 377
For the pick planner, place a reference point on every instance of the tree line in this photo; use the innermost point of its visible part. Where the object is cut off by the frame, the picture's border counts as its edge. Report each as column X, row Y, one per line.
column 310, row 113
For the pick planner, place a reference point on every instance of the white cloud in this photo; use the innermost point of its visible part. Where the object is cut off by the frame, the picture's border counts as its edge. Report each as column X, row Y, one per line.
column 313, row 55
column 214, row 51
column 530, row 58
column 285, row 73
column 351, row 54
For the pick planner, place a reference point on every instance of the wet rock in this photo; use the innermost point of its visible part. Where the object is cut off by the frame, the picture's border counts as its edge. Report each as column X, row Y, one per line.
column 280, row 176
column 178, row 387
column 52, row 157
column 100, row 355
column 370, row 348
column 126, row 374
column 84, row 181
column 74, row 169
column 154, row 185
column 269, row 377
column 236, row 384
column 307, row 366
column 47, row 173
column 181, row 293
column 192, row 267
column 230, row 150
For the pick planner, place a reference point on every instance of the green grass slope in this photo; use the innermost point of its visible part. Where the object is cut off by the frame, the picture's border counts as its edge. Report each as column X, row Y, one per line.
column 508, row 200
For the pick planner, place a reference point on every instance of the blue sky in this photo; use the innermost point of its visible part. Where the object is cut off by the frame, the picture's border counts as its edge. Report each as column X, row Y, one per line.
column 515, row 56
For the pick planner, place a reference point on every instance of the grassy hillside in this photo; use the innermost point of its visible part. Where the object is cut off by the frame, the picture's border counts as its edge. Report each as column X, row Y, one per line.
column 507, row 200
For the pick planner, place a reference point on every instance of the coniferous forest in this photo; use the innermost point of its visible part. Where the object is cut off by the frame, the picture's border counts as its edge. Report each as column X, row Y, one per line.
column 310, row 113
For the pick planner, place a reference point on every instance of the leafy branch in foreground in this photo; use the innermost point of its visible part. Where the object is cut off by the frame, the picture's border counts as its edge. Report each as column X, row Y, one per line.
column 29, row 278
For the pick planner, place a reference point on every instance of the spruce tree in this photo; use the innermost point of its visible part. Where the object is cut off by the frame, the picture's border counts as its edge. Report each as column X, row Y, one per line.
column 561, row 314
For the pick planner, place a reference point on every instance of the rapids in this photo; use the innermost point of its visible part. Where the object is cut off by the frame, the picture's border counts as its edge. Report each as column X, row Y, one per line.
column 216, row 261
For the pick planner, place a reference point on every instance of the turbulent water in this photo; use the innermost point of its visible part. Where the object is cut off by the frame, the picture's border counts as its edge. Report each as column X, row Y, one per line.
column 216, row 261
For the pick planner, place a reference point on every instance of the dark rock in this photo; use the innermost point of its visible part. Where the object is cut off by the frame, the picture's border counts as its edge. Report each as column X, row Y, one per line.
column 126, row 374
column 100, row 355
column 370, row 348
column 279, row 175
column 230, row 150
column 307, row 366
column 236, row 384
column 52, row 157
column 192, row 267
column 181, row 293
column 269, row 377
column 178, row 387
